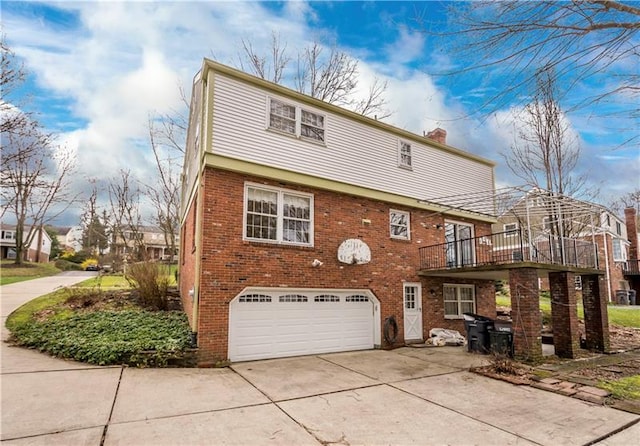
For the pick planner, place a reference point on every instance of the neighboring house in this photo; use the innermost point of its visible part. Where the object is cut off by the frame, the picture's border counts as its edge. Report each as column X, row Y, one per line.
column 150, row 239
column 70, row 237
column 545, row 219
column 37, row 251
column 307, row 228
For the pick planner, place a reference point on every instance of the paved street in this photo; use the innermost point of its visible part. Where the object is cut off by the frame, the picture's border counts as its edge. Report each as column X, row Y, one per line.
column 419, row 396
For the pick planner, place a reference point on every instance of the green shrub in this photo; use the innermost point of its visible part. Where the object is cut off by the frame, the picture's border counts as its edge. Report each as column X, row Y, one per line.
column 109, row 337
column 66, row 265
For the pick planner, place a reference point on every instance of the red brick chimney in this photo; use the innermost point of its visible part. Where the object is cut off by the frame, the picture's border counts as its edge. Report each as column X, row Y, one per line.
column 632, row 231
column 438, row 135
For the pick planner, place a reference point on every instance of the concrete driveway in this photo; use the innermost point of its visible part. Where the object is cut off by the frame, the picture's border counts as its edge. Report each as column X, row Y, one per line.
column 418, row 396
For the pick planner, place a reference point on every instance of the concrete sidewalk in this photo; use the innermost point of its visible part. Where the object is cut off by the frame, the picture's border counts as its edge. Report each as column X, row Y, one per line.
column 407, row 396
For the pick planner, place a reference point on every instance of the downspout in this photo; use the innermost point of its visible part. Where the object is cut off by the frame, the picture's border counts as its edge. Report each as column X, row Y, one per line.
column 606, row 262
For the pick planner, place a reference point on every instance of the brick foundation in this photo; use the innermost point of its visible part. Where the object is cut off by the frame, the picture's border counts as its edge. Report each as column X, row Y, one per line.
column 564, row 314
column 525, row 312
column 596, row 318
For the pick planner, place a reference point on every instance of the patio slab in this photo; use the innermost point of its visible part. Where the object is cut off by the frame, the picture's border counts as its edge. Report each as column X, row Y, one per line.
column 81, row 437
column 155, row 393
column 385, row 415
column 627, row 437
column 48, row 402
column 542, row 417
column 256, row 425
column 283, row 379
column 457, row 357
column 387, row 366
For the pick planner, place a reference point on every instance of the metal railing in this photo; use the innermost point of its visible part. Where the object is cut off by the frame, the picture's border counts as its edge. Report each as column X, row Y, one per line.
column 631, row 267
column 509, row 247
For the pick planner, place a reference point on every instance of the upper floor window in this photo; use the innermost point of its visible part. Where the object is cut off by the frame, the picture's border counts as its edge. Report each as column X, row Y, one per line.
column 404, row 154
column 618, row 228
column 8, row 235
column 278, row 215
column 510, row 229
column 296, row 120
column 546, row 224
column 399, row 224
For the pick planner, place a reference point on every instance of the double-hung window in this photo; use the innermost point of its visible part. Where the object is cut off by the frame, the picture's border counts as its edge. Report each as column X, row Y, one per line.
column 296, row 121
column 399, row 224
column 278, row 215
column 619, row 253
column 510, row 229
column 458, row 299
column 404, row 155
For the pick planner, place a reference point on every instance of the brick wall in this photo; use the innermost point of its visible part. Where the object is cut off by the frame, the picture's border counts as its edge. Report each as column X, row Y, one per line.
column 187, row 272
column 525, row 312
column 230, row 264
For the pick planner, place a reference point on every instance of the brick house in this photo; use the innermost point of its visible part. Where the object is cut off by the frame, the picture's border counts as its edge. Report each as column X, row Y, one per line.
column 544, row 218
column 302, row 222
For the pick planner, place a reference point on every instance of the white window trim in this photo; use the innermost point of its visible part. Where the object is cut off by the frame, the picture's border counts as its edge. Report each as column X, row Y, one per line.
column 298, row 121
column 280, row 215
column 623, row 251
column 458, row 287
column 510, row 232
column 408, row 215
column 400, row 163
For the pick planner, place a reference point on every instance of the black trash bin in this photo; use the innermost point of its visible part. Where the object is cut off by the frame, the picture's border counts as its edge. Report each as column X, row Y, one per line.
column 633, row 298
column 622, row 297
column 478, row 328
column 501, row 342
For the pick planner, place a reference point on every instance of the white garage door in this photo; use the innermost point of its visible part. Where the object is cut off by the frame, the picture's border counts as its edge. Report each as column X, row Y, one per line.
column 279, row 322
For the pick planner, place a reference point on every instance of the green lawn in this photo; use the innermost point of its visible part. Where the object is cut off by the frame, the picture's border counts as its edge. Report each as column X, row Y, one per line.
column 625, row 316
column 105, row 281
column 10, row 273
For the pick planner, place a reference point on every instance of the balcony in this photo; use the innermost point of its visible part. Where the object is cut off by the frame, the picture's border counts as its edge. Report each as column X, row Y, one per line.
column 491, row 256
column 631, row 267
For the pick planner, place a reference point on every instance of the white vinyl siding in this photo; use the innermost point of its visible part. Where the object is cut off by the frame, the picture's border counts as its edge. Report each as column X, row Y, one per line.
column 355, row 153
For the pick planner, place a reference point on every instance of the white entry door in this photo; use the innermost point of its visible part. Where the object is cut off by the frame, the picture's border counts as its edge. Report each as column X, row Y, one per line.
column 412, row 312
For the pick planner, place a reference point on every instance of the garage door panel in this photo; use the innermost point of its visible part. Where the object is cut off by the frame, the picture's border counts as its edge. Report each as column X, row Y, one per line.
column 284, row 324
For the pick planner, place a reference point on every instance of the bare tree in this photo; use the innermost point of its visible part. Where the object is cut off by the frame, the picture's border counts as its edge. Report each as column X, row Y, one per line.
column 13, row 120
column 35, row 183
column 124, row 200
column 628, row 200
column 546, row 153
column 579, row 39
column 329, row 76
column 94, row 229
column 166, row 136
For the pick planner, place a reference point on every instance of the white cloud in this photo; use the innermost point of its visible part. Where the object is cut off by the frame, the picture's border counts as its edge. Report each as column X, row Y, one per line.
column 126, row 60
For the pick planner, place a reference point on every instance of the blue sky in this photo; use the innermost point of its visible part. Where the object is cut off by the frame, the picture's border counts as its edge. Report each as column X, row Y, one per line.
column 97, row 70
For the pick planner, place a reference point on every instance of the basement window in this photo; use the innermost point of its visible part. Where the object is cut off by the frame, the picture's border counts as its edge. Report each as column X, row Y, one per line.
column 459, row 299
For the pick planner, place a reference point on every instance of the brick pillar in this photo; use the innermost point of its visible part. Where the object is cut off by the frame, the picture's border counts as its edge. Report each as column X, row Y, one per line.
column 632, row 231
column 596, row 318
column 564, row 314
column 525, row 312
